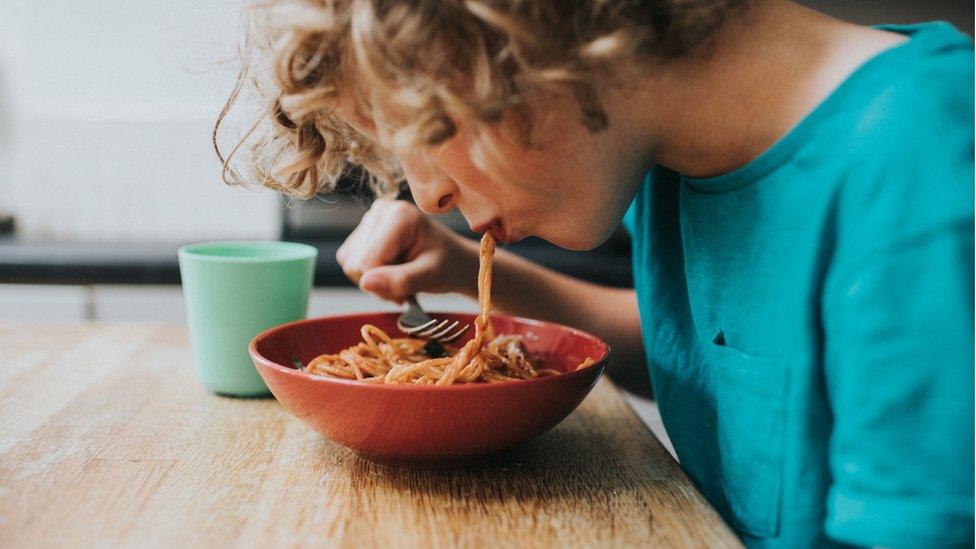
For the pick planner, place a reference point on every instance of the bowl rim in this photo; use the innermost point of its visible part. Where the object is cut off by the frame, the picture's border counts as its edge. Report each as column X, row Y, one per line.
column 599, row 364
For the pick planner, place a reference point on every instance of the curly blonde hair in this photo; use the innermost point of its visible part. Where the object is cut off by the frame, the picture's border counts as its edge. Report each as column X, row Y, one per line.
column 423, row 66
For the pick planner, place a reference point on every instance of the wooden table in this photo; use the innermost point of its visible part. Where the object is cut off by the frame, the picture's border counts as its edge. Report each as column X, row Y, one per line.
column 107, row 439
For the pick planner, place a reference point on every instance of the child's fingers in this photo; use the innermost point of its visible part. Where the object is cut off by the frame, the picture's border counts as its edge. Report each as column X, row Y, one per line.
column 365, row 226
column 386, row 244
column 383, row 237
column 396, row 282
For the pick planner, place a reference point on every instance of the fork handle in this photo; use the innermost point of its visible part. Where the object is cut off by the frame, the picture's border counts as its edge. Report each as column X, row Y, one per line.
column 414, row 308
column 414, row 315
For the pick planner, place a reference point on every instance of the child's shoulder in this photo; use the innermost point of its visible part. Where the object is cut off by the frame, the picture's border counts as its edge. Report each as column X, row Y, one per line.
column 922, row 88
column 910, row 155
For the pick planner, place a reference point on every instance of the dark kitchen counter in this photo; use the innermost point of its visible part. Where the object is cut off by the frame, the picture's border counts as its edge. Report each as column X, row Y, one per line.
column 47, row 262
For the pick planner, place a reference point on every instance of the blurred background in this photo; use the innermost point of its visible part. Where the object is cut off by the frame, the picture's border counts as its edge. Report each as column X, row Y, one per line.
column 106, row 165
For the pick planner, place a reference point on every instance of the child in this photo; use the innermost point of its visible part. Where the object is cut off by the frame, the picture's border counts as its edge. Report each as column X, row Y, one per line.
column 799, row 192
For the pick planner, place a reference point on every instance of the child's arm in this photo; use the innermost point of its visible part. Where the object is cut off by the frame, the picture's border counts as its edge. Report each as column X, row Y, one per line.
column 898, row 331
column 899, row 377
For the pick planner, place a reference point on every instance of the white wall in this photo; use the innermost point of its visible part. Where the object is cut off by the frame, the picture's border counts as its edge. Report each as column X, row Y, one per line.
column 106, row 108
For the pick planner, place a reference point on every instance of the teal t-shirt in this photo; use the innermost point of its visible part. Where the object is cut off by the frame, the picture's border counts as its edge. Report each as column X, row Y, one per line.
column 808, row 318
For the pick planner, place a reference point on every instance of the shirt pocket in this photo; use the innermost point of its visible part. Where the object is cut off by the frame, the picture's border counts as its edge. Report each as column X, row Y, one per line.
column 750, row 402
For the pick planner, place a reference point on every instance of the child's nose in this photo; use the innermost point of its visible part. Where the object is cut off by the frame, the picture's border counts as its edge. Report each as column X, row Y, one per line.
column 446, row 202
column 435, row 198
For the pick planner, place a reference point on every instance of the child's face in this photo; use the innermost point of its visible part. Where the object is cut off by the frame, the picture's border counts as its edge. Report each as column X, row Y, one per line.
column 571, row 190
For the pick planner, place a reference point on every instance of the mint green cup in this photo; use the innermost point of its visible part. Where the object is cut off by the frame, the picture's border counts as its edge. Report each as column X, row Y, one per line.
column 233, row 291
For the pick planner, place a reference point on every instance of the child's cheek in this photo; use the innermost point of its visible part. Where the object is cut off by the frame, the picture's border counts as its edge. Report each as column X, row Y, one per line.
column 454, row 158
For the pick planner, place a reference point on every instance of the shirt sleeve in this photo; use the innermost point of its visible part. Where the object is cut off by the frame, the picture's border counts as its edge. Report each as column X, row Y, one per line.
column 899, row 376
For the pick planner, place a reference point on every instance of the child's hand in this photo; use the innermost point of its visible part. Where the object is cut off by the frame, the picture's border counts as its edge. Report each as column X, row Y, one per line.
column 396, row 251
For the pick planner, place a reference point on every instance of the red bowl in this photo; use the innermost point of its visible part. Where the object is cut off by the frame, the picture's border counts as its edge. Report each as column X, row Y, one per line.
column 426, row 426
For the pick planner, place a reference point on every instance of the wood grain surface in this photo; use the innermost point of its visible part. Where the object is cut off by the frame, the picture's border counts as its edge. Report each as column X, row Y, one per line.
column 107, row 439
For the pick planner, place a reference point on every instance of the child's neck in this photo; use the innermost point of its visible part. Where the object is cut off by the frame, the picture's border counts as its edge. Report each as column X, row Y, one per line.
column 724, row 104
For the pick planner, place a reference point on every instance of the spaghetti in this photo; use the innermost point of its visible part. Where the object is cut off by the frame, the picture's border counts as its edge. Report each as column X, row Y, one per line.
column 486, row 358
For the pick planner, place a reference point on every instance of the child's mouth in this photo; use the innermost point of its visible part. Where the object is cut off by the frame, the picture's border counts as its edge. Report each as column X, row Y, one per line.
column 501, row 233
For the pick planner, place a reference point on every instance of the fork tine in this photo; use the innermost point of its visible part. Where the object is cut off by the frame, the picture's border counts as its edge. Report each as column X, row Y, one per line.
column 453, row 337
column 415, row 329
column 427, row 333
column 444, row 331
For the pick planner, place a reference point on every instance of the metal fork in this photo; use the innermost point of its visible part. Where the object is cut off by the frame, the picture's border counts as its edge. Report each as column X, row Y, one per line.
column 415, row 323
